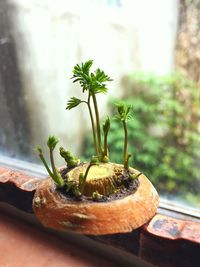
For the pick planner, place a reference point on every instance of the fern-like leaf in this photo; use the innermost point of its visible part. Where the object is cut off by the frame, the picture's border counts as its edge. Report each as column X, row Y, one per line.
column 73, row 102
column 101, row 76
column 95, row 81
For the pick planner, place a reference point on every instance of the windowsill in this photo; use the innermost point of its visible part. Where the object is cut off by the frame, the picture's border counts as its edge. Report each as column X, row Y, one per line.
column 30, row 246
column 159, row 242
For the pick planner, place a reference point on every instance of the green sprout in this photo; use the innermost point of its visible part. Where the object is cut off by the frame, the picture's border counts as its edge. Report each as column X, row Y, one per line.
column 69, row 185
column 82, row 177
column 96, row 195
column 71, row 160
column 72, row 187
column 134, row 176
column 93, row 83
column 124, row 115
column 54, row 174
column 106, row 128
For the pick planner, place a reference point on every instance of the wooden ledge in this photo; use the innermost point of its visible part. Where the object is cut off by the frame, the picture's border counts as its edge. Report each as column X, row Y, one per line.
column 17, row 188
column 164, row 241
column 18, row 179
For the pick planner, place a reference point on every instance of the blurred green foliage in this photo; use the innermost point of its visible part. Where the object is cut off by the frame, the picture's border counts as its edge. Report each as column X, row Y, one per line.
column 164, row 136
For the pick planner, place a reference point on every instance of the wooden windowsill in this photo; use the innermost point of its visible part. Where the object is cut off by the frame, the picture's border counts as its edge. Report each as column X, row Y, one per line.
column 29, row 246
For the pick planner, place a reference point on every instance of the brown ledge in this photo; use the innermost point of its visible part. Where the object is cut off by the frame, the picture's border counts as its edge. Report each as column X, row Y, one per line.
column 164, row 241
column 17, row 188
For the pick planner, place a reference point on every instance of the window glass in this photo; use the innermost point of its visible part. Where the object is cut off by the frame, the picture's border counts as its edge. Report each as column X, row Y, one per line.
column 150, row 49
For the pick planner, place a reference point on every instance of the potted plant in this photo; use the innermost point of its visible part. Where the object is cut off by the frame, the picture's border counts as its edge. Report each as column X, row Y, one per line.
column 97, row 197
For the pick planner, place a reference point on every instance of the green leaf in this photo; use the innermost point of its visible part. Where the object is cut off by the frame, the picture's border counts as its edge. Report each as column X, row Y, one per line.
column 73, row 102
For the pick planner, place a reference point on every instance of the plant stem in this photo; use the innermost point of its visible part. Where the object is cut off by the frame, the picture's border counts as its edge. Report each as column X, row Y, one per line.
column 106, row 144
column 85, row 177
column 93, row 127
column 125, row 145
column 57, row 177
column 97, row 123
column 46, row 165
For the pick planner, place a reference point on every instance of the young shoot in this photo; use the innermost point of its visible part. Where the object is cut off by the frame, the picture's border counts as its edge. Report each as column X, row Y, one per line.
column 82, row 177
column 135, row 176
column 106, row 128
column 71, row 160
column 54, row 174
column 92, row 83
column 96, row 196
column 124, row 115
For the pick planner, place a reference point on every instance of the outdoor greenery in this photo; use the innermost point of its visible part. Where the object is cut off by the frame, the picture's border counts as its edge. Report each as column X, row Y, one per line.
column 164, row 135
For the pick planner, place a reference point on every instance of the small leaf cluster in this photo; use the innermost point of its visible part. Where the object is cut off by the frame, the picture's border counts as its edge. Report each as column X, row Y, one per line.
column 125, row 112
column 52, row 142
column 95, row 81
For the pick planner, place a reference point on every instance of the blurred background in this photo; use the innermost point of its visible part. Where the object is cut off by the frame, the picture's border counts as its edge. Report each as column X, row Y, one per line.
column 150, row 48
